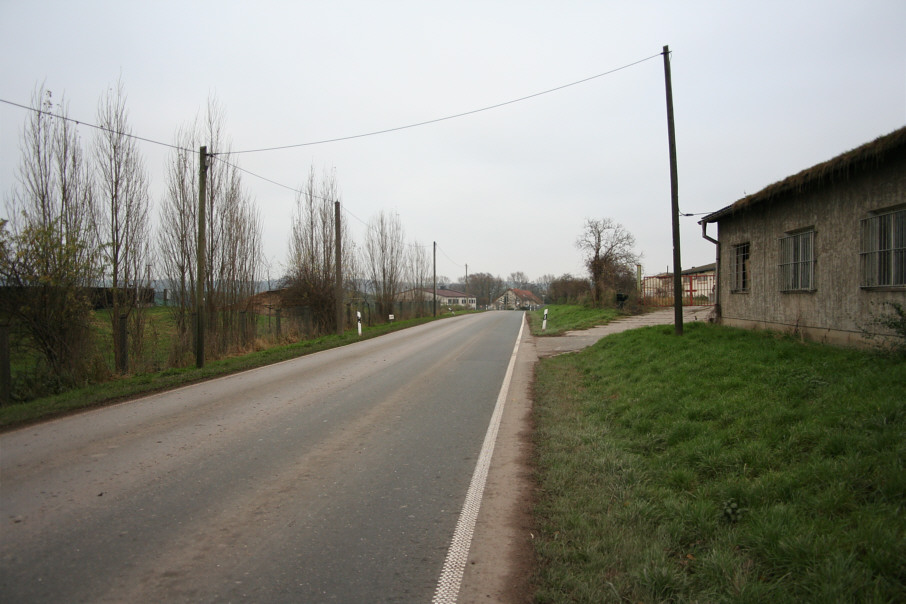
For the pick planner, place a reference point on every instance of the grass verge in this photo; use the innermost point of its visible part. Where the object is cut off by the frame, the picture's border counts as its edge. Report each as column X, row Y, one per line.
column 567, row 317
column 15, row 415
column 721, row 466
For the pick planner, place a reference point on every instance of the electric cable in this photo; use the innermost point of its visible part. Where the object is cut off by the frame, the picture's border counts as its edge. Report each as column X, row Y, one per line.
column 95, row 126
column 449, row 117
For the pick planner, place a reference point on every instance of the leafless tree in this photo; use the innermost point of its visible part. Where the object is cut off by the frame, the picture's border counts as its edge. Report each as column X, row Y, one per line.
column 519, row 280
column 50, row 253
column 419, row 275
column 177, row 234
column 312, row 250
column 485, row 287
column 122, row 223
column 609, row 256
column 567, row 289
column 543, row 284
column 232, row 237
column 383, row 258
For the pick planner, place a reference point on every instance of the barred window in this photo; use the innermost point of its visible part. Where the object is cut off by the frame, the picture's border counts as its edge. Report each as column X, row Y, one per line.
column 797, row 262
column 740, row 274
column 883, row 249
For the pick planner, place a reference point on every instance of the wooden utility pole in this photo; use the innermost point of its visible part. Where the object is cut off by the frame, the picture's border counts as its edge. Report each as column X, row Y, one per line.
column 339, row 262
column 435, row 278
column 674, row 204
column 467, row 285
column 200, row 258
column 6, row 381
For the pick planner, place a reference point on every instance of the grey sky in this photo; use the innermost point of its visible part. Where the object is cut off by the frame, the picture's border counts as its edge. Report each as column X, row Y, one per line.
column 761, row 91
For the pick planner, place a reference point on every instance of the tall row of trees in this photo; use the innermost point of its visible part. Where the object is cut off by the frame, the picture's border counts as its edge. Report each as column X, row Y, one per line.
column 78, row 234
column 80, row 218
column 232, row 234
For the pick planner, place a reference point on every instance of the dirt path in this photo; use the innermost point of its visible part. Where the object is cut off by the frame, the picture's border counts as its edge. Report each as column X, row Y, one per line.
column 501, row 558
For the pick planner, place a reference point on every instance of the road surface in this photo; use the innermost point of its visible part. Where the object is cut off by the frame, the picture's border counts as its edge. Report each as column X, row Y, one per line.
column 337, row 477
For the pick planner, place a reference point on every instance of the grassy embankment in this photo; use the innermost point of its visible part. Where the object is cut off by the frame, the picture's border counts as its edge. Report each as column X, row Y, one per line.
column 120, row 388
column 566, row 317
column 723, row 465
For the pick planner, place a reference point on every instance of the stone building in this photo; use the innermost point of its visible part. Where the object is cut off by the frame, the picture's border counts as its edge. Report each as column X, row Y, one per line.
column 820, row 253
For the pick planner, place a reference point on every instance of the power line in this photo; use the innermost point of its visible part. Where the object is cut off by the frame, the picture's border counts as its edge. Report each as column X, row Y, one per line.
column 450, row 117
column 448, row 257
column 95, row 126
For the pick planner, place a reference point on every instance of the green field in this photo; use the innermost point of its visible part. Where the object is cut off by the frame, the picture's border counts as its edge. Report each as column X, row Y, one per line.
column 720, row 466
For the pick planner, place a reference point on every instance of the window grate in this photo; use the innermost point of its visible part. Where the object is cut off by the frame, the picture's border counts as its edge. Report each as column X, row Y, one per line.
column 797, row 262
column 882, row 255
column 740, row 275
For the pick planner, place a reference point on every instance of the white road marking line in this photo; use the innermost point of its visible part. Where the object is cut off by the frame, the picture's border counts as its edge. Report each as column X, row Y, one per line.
column 455, row 563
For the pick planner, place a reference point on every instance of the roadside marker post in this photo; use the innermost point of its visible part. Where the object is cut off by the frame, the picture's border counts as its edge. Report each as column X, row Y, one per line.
column 358, row 315
column 544, row 322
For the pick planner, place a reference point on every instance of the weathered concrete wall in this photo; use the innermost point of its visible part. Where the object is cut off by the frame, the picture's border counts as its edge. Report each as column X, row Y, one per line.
column 839, row 309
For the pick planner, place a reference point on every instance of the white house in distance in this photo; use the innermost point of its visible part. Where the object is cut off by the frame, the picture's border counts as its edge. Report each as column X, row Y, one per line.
column 513, row 299
column 445, row 297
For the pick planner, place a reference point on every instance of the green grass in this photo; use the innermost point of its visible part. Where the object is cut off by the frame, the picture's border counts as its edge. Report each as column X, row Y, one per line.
column 567, row 317
column 117, row 389
column 720, row 466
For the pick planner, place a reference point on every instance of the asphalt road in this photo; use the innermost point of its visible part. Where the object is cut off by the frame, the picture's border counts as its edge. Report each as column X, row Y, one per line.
column 337, row 477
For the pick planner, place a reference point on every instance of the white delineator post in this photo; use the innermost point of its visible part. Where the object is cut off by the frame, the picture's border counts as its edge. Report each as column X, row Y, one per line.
column 358, row 315
column 544, row 322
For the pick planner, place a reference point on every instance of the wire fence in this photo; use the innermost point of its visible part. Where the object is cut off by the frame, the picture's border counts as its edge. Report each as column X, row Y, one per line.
column 698, row 290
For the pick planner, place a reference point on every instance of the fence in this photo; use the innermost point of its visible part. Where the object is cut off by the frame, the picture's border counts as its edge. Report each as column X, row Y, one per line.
column 698, row 290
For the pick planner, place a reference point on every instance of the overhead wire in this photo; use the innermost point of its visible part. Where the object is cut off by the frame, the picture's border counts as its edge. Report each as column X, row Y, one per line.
column 449, row 117
column 219, row 156
column 448, row 257
column 95, row 126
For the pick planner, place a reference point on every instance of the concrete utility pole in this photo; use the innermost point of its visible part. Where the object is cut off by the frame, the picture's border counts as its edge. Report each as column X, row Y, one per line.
column 339, row 262
column 674, row 203
column 200, row 258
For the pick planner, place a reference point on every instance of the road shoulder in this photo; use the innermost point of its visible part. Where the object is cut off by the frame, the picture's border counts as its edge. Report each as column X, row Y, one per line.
column 501, row 558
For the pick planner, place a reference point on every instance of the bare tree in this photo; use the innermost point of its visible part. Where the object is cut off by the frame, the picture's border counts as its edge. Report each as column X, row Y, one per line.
column 418, row 274
column 312, row 250
column 232, row 238
column 49, row 254
column 122, row 223
column 519, row 280
column 567, row 289
column 177, row 234
column 609, row 255
column 383, row 257
column 485, row 287
column 543, row 285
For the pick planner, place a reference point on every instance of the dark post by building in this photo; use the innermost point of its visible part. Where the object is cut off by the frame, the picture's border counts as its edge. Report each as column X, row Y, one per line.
column 674, row 203
column 339, row 262
column 200, row 260
column 434, row 305
column 6, row 380
column 123, row 365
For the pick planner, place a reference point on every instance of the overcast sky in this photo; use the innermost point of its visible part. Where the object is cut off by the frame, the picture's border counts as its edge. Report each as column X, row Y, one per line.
column 761, row 91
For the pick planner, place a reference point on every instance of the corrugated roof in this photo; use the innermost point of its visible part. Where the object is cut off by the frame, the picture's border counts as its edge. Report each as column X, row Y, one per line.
column 842, row 167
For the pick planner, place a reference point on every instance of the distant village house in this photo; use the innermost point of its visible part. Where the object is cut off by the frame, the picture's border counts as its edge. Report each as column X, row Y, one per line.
column 517, row 299
column 445, row 297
